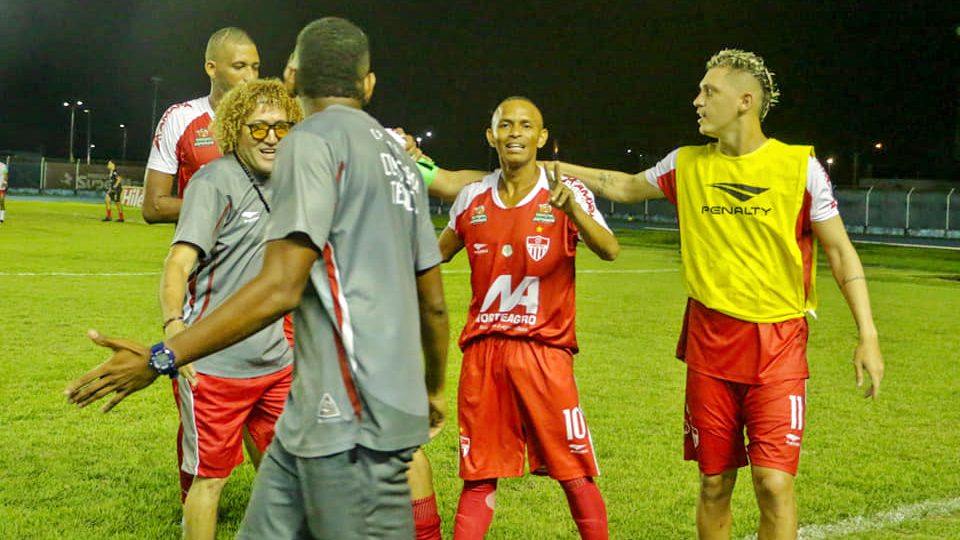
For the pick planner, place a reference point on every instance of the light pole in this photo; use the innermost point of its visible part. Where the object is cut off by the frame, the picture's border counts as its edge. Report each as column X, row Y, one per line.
column 156, row 88
column 123, row 142
column 829, row 165
column 73, row 110
column 89, row 113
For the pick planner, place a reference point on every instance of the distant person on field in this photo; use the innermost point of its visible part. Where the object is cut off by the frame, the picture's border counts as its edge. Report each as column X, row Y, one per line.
column 114, row 192
column 183, row 142
column 3, row 191
column 750, row 208
column 218, row 247
column 517, row 394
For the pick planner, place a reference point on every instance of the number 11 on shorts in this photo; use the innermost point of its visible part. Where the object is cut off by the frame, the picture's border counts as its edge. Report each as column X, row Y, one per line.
column 576, row 425
column 796, row 412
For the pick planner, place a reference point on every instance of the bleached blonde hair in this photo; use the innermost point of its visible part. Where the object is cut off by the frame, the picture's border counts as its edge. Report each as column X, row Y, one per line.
column 753, row 64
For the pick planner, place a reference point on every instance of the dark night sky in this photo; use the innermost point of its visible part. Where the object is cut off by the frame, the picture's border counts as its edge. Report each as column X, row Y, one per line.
column 607, row 75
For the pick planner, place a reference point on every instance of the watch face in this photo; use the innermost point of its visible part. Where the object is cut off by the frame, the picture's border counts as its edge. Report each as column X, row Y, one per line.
column 160, row 360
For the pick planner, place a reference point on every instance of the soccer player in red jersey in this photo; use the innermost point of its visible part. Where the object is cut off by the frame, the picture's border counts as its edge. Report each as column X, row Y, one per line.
column 183, row 142
column 749, row 209
column 517, row 392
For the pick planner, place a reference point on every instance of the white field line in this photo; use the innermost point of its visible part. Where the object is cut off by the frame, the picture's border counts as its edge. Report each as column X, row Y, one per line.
column 79, row 274
column 623, row 271
column 881, row 520
column 127, row 274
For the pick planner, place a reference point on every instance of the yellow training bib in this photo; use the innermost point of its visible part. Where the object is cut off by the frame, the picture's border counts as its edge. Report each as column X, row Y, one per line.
column 738, row 223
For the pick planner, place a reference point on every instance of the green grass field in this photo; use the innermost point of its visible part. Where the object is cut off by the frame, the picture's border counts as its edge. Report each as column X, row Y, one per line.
column 888, row 469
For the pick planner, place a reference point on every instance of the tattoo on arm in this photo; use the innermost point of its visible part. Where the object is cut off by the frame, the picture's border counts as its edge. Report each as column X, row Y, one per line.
column 851, row 278
column 602, row 182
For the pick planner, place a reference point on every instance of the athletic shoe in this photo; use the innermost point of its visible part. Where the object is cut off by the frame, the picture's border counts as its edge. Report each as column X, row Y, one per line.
column 106, row 219
column 120, row 220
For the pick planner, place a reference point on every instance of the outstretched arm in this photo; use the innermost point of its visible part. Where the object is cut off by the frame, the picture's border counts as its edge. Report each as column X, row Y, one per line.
column 848, row 273
column 597, row 237
column 446, row 184
column 613, row 185
column 264, row 299
column 158, row 205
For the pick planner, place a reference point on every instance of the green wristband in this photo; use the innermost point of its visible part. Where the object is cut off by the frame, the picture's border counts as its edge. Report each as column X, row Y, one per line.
column 428, row 170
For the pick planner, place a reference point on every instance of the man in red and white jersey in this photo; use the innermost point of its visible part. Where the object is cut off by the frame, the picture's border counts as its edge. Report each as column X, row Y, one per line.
column 183, row 142
column 3, row 191
column 749, row 210
column 517, row 392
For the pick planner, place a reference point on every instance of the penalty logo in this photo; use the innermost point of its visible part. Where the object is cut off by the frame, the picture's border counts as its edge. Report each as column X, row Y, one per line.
column 537, row 247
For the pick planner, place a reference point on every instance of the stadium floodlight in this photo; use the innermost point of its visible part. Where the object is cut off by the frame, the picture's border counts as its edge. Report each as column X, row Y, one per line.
column 73, row 112
column 123, row 142
column 878, row 146
column 89, row 113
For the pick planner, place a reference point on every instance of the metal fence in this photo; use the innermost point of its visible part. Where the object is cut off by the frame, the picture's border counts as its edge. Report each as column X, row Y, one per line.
column 40, row 175
column 916, row 212
column 931, row 213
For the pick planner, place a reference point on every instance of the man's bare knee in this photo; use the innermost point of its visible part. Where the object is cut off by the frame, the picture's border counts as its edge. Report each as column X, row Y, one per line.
column 717, row 487
column 772, row 484
column 212, row 486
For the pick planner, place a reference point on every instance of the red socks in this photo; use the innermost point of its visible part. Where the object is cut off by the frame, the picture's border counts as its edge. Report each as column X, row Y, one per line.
column 587, row 508
column 426, row 520
column 475, row 511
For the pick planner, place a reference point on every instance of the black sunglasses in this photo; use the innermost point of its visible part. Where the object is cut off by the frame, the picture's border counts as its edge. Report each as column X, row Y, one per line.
column 260, row 130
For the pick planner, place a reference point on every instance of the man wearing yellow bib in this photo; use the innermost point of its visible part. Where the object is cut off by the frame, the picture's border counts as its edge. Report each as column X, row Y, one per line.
column 749, row 209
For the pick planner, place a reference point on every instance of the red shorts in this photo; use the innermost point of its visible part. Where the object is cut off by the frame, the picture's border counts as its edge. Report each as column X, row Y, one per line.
column 717, row 411
column 214, row 412
column 517, row 395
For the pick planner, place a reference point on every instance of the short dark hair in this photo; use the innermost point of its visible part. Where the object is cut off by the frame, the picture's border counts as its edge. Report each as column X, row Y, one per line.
column 333, row 56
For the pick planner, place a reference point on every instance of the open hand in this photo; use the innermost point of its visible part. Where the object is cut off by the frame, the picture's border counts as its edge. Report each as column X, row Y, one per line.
column 126, row 372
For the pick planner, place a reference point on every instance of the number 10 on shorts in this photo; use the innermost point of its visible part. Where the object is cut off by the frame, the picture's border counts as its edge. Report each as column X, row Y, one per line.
column 576, row 424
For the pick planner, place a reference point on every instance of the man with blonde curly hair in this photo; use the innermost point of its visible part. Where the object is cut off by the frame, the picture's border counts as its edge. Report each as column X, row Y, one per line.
column 749, row 208
column 218, row 246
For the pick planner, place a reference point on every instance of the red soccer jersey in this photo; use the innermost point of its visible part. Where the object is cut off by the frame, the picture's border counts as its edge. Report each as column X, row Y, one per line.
column 183, row 142
column 521, row 261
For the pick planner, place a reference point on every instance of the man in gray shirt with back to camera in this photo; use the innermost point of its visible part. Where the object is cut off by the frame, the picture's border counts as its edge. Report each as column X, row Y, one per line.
column 351, row 247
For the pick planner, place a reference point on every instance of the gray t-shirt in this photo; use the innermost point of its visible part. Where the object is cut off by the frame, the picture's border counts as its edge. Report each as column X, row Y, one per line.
column 224, row 217
column 340, row 179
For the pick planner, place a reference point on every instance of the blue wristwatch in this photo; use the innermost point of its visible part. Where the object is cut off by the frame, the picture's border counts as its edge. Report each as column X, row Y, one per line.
column 162, row 360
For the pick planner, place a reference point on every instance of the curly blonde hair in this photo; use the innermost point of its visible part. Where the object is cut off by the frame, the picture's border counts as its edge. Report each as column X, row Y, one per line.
column 753, row 64
column 242, row 101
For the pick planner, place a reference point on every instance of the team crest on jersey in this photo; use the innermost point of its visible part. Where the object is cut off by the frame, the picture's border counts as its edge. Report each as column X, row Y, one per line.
column 544, row 214
column 203, row 138
column 479, row 215
column 506, row 250
column 537, row 247
column 464, row 445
